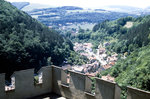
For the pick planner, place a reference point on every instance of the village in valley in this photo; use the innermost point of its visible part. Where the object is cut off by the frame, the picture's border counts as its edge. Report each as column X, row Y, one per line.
column 98, row 61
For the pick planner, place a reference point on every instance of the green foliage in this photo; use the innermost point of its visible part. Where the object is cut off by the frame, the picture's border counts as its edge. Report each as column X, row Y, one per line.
column 76, row 59
column 93, row 80
column 135, row 37
column 107, row 31
column 134, row 70
column 76, row 16
column 36, row 79
column 122, row 39
column 99, row 75
column 26, row 43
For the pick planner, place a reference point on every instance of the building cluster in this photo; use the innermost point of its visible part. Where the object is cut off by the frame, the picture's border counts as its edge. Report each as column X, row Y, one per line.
column 98, row 62
column 83, row 47
column 105, row 60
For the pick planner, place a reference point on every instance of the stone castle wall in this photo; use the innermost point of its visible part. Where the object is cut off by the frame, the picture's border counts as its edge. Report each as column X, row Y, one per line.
column 68, row 84
column 25, row 86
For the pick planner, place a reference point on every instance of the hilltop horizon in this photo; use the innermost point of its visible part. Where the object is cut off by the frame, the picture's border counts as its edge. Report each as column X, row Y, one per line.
column 92, row 4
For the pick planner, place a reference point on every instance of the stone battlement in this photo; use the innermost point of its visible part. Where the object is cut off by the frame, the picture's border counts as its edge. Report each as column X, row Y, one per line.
column 68, row 84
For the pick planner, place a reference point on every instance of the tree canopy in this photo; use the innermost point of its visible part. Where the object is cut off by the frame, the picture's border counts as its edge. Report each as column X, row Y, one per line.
column 26, row 43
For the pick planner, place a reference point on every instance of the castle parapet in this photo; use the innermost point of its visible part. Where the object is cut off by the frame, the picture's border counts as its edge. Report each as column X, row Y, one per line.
column 66, row 83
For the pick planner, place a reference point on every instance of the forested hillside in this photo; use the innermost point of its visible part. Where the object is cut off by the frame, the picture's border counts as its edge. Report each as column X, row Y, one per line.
column 122, row 38
column 130, row 38
column 26, row 43
column 71, row 14
column 133, row 43
column 107, row 31
column 134, row 70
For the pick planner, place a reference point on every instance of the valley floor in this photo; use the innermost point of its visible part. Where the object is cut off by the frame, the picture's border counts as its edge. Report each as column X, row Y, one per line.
column 98, row 61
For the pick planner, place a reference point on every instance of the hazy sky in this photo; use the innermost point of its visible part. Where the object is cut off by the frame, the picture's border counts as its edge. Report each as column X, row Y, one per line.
column 90, row 3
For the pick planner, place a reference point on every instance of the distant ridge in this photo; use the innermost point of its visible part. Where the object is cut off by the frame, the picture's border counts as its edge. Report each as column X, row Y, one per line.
column 70, row 8
column 33, row 6
column 20, row 5
column 125, row 9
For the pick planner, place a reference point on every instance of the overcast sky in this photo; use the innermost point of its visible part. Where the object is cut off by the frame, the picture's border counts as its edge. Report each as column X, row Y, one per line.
column 90, row 3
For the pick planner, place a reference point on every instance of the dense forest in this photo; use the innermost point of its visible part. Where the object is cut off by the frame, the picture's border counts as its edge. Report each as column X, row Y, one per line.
column 134, row 69
column 26, row 43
